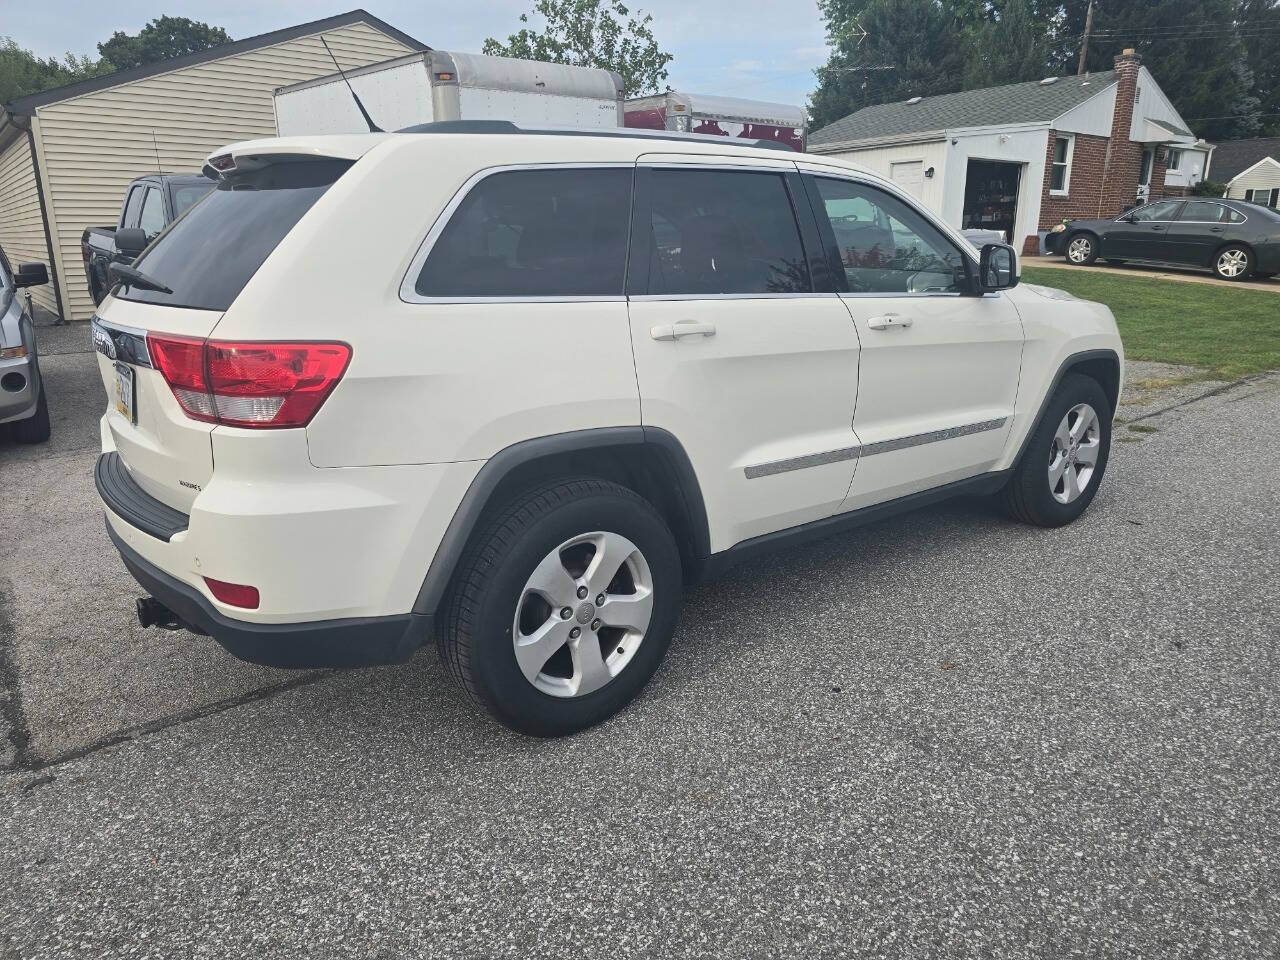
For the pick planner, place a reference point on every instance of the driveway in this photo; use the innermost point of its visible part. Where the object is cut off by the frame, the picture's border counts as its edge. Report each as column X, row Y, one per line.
column 1159, row 272
column 942, row 735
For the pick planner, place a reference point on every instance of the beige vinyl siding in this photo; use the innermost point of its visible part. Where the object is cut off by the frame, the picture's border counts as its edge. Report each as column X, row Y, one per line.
column 21, row 229
column 93, row 145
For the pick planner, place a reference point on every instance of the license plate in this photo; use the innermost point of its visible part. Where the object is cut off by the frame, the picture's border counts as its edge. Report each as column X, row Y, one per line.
column 124, row 391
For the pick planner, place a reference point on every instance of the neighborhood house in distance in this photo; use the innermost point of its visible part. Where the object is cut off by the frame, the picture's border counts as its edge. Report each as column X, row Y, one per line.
column 1021, row 158
column 1250, row 169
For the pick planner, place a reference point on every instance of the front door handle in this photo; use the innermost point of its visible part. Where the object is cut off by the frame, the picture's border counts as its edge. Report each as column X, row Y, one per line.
column 685, row 328
column 1157, row 229
column 887, row 321
column 1216, row 229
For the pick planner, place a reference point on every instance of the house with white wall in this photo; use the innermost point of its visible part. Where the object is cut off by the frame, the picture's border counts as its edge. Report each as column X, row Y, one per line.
column 1250, row 169
column 1024, row 156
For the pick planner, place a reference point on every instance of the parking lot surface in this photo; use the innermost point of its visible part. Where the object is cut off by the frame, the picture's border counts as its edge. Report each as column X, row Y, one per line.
column 942, row 735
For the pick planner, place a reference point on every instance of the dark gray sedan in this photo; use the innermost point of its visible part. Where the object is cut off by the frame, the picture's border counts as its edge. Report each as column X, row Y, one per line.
column 1234, row 239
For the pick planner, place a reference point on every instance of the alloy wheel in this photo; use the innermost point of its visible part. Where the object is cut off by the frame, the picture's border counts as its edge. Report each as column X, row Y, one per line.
column 1079, row 249
column 582, row 614
column 1073, row 455
column 1232, row 263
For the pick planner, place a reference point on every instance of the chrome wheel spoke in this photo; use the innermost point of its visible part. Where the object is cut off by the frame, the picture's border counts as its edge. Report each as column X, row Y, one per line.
column 1085, row 419
column 1071, row 483
column 533, row 651
column 1056, row 470
column 1087, row 455
column 552, row 581
column 612, row 551
column 1063, row 436
column 1073, row 456
column 630, row 611
column 589, row 669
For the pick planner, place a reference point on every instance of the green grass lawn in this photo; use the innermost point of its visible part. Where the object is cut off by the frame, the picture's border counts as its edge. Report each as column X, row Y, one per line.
column 1231, row 331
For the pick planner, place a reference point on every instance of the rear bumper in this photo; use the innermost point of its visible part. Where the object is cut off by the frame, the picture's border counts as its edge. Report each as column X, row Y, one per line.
column 352, row 642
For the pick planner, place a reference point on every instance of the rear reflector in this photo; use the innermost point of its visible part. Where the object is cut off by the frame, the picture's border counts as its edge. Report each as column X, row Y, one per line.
column 249, row 383
column 234, row 594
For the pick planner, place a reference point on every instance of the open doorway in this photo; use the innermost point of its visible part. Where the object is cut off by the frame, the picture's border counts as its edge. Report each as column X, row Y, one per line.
column 991, row 196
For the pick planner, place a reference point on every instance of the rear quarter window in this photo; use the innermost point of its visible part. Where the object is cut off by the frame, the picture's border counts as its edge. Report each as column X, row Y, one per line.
column 207, row 256
column 534, row 233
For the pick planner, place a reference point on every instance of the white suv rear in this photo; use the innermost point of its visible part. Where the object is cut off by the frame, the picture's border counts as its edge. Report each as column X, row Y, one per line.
column 515, row 389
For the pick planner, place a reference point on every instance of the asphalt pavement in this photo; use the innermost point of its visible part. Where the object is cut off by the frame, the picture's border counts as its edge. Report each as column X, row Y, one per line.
column 942, row 735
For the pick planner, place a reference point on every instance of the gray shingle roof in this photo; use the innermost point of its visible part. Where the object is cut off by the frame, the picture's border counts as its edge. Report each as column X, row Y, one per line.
column 990, row 106
column 1232, row 157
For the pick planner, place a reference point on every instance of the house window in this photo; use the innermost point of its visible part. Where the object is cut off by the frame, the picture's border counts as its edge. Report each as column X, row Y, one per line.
column 1264, row 197
column 1060, row 174
column 1175, row 157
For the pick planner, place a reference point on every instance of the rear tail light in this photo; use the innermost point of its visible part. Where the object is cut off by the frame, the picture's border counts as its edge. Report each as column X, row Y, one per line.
column 234, row 594
column 249, row 383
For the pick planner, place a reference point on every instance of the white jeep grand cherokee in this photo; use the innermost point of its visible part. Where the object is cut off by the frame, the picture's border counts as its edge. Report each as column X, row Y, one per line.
column 515, row 389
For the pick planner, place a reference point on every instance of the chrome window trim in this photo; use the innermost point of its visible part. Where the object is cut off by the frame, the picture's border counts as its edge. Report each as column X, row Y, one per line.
column 656, row 297
column 774, row 467
column 408, row 291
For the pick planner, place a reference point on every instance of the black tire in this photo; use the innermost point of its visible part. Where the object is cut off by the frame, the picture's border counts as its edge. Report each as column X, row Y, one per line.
column 1234, row 248
column 475, row 636
column 36, row 428
column 1092, row 254
column 1028, row 496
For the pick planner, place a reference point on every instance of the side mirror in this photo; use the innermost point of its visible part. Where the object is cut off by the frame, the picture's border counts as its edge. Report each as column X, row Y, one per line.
column 998, row 267
column 131, row 241
column 31, row 275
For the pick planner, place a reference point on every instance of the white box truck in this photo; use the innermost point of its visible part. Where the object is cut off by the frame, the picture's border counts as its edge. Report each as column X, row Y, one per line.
column 438, row 85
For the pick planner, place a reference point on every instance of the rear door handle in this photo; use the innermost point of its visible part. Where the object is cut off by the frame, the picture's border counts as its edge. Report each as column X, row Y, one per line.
column 685, row 328
column 1157, row 228
column 1216, row 229
column 887, row 321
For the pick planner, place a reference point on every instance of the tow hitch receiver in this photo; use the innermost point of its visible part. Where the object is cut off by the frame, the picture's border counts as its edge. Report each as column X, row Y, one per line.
column 153, row 613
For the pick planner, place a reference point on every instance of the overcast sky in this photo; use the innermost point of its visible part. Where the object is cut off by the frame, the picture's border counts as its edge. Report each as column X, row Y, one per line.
column 746, row 48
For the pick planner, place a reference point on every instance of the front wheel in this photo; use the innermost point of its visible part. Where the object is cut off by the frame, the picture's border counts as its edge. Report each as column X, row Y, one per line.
column 36, row 428
column 1082, row 249
column 1234, row 262
column 563, row 606
column 1065, row 458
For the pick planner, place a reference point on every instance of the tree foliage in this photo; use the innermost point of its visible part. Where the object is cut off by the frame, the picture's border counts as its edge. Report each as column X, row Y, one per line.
column 161, row 39
column 1217, row 60
column 23, row 73
column 591, row 33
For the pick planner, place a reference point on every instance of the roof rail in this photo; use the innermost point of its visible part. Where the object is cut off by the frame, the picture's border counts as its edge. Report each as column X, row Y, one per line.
column 507, row 127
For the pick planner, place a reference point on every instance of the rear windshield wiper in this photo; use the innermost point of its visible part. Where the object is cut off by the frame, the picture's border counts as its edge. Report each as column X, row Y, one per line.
column 135, row 278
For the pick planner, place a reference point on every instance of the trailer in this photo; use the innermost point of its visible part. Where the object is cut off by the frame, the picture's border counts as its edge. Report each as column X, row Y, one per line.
column 439, row 85
column 719, row 116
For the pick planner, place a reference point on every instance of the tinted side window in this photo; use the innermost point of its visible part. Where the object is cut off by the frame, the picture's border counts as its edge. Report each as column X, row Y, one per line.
column 186, row 194
column 151, row 219
column 535, row 233
column 1203, row 211
column 1164, row 210
column 132, row 206
column 885, row 246
column 719, row 231
column 1233, row 216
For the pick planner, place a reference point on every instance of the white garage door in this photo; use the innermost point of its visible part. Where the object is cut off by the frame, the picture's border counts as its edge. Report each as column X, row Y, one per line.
column 908, row 175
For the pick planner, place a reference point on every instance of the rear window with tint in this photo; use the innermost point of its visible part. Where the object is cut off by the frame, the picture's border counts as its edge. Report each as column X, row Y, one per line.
column 534, row 233
column 208, row 256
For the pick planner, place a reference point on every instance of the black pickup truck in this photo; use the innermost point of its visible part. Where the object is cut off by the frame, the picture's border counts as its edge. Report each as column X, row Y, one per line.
column 150, row 204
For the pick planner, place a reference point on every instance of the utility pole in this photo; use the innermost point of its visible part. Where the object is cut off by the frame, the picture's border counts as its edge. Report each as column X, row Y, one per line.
column 1084, row 47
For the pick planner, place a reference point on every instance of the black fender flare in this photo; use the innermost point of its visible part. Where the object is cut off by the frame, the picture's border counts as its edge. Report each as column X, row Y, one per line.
column 1067, row 365
column 483, row 486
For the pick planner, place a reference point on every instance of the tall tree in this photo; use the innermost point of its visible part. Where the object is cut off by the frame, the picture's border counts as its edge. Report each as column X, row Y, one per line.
column 23, row 73
column 161, row 39
column 1192, row 47
column 1014, row 45
column 910, row 48
column 591, row 33
column 1259, row 24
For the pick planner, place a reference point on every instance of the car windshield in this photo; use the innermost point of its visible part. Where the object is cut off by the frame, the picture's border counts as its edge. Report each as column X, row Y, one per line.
column 206, row 257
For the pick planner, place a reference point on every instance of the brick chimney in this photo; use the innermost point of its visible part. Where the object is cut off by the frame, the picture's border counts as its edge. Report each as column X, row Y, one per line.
column 1124, row 157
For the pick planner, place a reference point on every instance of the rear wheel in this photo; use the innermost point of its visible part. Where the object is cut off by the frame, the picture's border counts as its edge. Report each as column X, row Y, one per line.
column 563, row 607
column 1082, row 249
column 1234, row 262
column 1066, row 456
column 36, row 428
